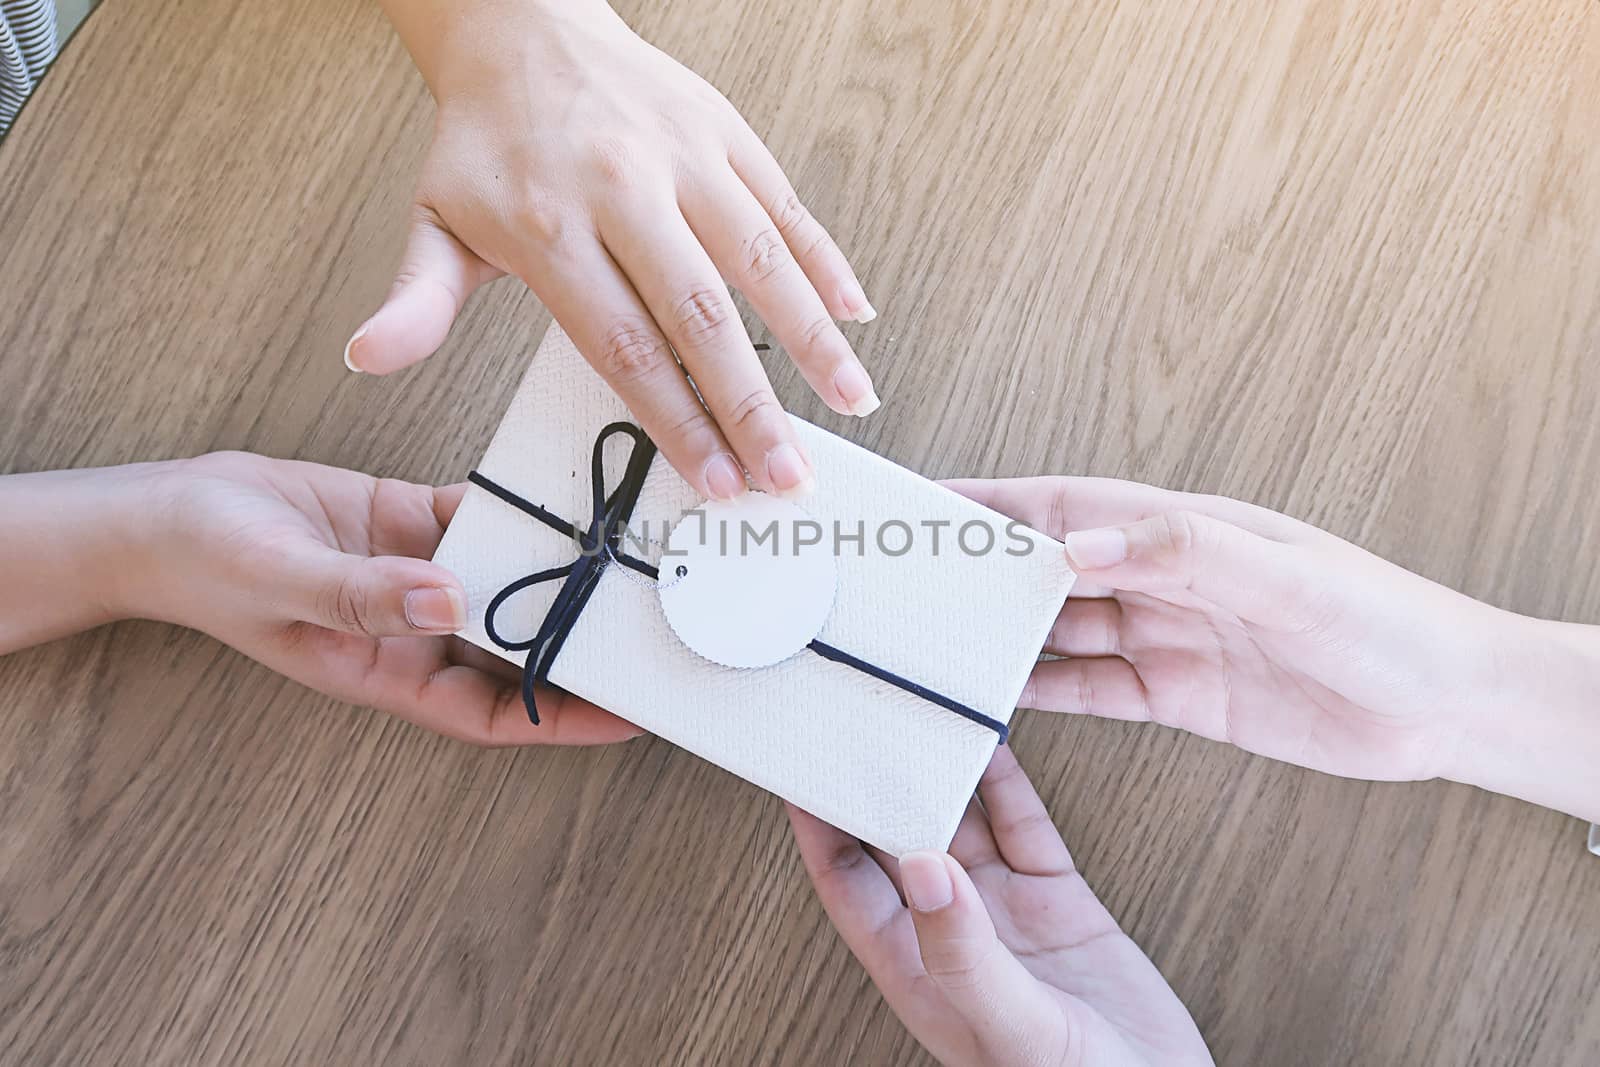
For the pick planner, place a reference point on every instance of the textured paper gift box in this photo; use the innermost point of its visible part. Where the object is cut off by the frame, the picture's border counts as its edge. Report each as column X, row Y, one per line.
column 883, row 764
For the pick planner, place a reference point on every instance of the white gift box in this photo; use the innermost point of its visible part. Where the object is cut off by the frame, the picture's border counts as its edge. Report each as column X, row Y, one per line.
column 948, row 599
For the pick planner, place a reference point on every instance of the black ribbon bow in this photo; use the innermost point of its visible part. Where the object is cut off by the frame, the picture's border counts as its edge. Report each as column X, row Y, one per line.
column 598, row 546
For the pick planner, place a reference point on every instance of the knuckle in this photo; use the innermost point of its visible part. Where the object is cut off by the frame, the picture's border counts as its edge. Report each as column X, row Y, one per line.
column 1030, row 692
column 424, row 216
column 1110, row 636
column 615, row 161
column 818, row 334
column 1056, row 510
column 710, row 98
column 630, row 350
column 813, row 241
column 764, row 256
column 490, row 732
column 408, row 274
column 1083, row 691
column 841, row 859
column 345, row 606
column 957, row 962
column 753, row 408
column 691, row 428
column 1003, row 773
column 221, row 463
column 1032, row 822
column 806, row 236
column 789, row 214
column 538, row 218
column 701, row 315
column 1180, row 533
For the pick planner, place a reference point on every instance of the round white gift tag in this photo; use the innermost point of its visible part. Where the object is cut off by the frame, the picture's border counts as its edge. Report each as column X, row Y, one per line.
column 747, row 582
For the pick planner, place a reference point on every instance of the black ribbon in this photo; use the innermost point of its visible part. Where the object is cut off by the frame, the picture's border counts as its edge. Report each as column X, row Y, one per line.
column 598, row 546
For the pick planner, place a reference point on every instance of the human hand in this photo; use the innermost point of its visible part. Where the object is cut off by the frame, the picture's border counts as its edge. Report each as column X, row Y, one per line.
column 1243, row 625
column 617, row 184
column 322, row 575
column 1004, row 955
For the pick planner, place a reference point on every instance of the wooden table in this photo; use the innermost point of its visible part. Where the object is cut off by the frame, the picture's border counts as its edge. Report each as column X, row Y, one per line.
column 1339, row 258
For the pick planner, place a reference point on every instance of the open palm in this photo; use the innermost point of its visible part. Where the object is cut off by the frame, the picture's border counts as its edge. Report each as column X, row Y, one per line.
column 998, row 953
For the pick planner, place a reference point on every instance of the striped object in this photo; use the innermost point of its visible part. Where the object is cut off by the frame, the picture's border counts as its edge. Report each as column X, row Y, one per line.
column 27, row 45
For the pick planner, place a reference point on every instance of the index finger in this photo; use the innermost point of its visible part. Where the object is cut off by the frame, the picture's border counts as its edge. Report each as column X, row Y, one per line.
column 1059, row 504
column 856, row 892
column 860, row 898
column 1055, row 505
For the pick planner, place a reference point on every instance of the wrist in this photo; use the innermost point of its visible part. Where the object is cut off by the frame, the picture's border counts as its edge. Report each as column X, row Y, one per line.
column 76, row 551
column 126, row 565
column 1538, row 738
column 459, row 46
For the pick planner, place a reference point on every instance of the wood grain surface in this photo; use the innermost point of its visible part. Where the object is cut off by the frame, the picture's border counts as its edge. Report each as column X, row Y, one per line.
column 1338, row 257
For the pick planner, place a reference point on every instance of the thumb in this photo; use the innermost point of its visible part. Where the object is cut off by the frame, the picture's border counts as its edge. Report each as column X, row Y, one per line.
column 375, row 596
column 1011, row 1015
column 437, row 274
column 1253, row 577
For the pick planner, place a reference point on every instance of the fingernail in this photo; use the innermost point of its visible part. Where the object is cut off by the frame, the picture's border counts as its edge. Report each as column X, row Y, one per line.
column 1091, row 549
column 789, row 472
column 348, row 345
column 926, row 880
column 436, row 610
column 855, row 302
column 724, row 480
column 855, row 389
